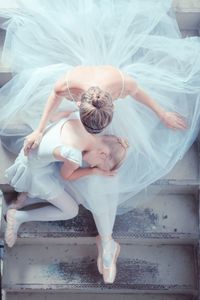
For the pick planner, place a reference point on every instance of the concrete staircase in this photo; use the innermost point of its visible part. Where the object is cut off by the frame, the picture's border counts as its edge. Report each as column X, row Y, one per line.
column 159, row 238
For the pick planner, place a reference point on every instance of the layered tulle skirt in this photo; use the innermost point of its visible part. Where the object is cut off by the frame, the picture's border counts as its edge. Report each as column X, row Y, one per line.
column 38, row 179
column 45, row 39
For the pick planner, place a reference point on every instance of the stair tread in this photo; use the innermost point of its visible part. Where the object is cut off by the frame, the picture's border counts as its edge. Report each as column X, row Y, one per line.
column 62, row 296
column 164, row 267
column 185, row 5
column 188, row 33
column 160, row 218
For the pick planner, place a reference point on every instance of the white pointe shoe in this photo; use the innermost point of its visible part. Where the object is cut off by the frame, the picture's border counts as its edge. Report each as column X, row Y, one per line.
column 11, row 228
column 20, row 201
column 108, row 272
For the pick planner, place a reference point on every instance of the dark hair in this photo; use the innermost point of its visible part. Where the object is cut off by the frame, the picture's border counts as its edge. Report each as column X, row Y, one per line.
column 96, row 109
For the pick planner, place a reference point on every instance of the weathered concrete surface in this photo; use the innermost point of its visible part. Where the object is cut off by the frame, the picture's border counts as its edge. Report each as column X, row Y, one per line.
column 187, row 13
column 69, row 296
column 191, row 20
column 162, row 218
column 186, row 5
column 187, row 33
column 62, row 267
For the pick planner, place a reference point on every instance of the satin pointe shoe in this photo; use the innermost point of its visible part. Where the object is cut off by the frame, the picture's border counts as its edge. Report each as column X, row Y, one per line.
column 11, row 227
column 99, row 258
column 109, row 260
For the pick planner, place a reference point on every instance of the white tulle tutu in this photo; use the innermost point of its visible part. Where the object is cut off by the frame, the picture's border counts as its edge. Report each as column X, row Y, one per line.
column 141, row 37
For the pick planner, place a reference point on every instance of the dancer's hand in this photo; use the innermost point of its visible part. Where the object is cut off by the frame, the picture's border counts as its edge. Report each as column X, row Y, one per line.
column 32, row 141
column 173, row 120
column 97, row 171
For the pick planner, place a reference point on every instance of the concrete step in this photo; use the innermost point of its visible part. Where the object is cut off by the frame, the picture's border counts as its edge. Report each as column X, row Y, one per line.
column 69, row 296
column 160, row 220
column 141, row 268
column 189, row 33
column 187, row 14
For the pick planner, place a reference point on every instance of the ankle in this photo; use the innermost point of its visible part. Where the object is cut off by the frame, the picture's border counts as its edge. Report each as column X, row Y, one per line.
column 17, row 218
column 106, row 238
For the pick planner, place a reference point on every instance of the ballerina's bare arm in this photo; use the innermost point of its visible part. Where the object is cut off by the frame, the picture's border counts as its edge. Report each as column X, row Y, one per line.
column 170, row 119
column 54, row 100
column 81, row 172
column 68, row 168
column 72, row 171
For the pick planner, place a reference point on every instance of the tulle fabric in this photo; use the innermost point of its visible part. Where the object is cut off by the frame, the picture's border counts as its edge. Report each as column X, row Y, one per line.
column 36, row 178
column 45, row 39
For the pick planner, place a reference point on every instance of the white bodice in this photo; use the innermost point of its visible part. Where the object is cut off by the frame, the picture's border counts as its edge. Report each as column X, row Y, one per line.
column 52, row 140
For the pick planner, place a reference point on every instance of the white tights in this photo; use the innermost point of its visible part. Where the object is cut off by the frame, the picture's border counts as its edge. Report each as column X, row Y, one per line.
column 105, row 222
column 64, row 208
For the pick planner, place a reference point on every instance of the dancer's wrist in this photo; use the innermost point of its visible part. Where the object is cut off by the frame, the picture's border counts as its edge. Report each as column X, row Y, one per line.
column 39, row 130
column 161, row 114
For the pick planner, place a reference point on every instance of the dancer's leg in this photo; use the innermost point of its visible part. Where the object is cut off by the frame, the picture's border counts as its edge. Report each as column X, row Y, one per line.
column 107, row 247
column 105, row 222
column 64, row 208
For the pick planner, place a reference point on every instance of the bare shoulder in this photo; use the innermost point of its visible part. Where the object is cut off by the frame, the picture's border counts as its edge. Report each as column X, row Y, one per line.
column 131, row 85
column 60, row 87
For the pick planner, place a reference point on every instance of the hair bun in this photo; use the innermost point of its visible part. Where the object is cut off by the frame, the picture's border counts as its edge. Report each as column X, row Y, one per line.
column 97, row 102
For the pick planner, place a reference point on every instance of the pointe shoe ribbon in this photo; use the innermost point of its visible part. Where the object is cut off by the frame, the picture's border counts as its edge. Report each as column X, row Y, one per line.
column 10, row 233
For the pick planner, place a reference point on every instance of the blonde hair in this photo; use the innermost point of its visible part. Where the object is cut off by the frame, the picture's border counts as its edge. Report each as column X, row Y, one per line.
column 118, row 147
column 96, row 109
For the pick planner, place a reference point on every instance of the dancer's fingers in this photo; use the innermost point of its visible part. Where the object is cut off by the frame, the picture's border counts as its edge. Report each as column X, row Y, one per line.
column 182, row 125
column 27, row 148
column 181, row 120
column 35, row 145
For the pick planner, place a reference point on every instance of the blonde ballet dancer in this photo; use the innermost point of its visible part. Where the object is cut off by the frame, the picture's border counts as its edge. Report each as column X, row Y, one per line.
column 68, row 144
